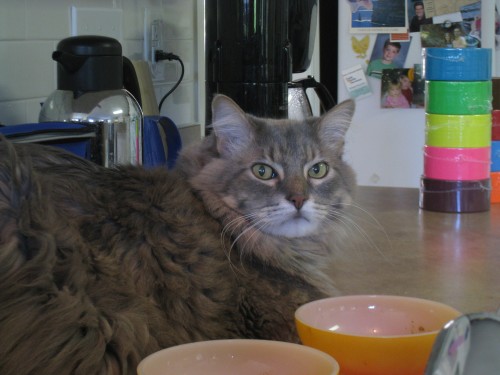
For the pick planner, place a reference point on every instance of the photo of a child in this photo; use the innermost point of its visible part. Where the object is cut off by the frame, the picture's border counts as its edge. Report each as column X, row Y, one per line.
column 394, row 97
column 386, row 55
column 401, row 88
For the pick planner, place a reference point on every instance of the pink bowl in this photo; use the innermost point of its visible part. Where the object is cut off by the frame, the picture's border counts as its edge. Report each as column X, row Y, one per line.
column 239, row 356
column 443, row 163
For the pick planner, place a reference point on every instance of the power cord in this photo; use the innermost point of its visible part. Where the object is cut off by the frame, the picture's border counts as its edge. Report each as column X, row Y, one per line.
column 160, row 56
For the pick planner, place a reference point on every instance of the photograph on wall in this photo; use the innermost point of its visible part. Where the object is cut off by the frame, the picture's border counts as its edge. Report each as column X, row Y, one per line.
column 446, row 35
column 378, row 16
column 471, row 23
column 417, row 16
column 402, row 88
column 386, row 54
column 464, row 34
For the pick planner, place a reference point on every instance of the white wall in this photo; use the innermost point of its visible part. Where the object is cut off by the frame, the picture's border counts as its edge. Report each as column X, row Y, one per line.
column 31, row 29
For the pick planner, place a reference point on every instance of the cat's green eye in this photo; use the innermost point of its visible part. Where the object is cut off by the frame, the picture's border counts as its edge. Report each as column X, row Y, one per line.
column 318, row 170
column 264, row 172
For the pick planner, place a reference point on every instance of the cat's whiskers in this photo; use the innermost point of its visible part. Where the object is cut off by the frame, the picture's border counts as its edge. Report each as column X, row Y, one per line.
column 373, row 219
column 242, row 224
column 350, row 224
column 257, row 223
column 343, row 217
column 257, row 227
column 248, row 229
column 228, row 231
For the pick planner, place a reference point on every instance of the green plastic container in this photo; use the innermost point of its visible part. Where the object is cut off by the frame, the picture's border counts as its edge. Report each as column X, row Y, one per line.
column 458, row 98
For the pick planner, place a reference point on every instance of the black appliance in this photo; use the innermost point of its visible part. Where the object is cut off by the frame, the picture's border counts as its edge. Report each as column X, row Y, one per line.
column 248, row 54
column 252, row 49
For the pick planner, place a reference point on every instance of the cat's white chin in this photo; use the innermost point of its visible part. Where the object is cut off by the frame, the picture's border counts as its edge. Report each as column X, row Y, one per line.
column 293, row 228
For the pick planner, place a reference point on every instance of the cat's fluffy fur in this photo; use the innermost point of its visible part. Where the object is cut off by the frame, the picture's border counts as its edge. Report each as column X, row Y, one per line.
column 101, row 267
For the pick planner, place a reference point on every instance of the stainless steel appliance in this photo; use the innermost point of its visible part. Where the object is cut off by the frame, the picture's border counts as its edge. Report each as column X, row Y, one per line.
column 90, row 90
column 299, row 105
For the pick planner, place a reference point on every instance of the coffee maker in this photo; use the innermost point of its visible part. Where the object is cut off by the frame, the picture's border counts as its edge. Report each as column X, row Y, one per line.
column 90, row 91
column 252, row 49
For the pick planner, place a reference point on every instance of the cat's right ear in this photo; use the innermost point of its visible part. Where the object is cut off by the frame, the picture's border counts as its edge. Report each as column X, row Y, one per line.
column 230, row 125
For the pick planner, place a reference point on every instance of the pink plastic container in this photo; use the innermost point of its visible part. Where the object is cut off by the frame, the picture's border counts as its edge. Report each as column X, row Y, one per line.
column 457, row 164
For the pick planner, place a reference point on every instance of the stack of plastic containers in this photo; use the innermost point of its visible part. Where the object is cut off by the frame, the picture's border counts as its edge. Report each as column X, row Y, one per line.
column 495, row 157
column 457, row 153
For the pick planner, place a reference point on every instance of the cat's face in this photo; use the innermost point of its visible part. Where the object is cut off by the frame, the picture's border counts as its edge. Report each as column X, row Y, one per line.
column 285, row 178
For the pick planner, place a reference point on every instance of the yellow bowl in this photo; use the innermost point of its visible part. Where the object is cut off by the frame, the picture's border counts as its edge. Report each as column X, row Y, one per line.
column 241, row 357
column 374, row 334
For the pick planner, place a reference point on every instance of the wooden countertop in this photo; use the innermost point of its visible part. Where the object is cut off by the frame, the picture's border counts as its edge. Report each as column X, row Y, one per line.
column 394, row 247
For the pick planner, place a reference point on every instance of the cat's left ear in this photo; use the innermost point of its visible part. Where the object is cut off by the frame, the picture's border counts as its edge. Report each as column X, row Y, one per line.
column 231, row 127
column 334, row 124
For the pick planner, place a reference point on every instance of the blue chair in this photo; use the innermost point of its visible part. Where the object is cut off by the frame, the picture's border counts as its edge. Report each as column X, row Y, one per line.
column 162, row 142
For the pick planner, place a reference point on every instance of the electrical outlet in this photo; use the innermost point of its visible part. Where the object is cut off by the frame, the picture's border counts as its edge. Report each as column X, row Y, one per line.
column 146, row 52
column 153, row 41
column 156, row 39
column 97, row 21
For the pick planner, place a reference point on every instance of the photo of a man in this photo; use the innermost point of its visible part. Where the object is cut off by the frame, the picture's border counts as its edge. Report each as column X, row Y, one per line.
column 419, row 18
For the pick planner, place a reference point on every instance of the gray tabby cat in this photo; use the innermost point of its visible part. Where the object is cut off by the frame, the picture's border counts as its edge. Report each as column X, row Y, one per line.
column 101, row 267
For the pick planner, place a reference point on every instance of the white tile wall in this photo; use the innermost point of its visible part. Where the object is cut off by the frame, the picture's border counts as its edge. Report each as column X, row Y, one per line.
column 31, row 29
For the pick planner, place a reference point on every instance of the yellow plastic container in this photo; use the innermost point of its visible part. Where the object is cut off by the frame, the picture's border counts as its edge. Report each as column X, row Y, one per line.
column 458, row 131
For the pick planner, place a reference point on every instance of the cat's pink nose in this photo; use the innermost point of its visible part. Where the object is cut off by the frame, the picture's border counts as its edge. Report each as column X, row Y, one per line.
column 298, row 200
